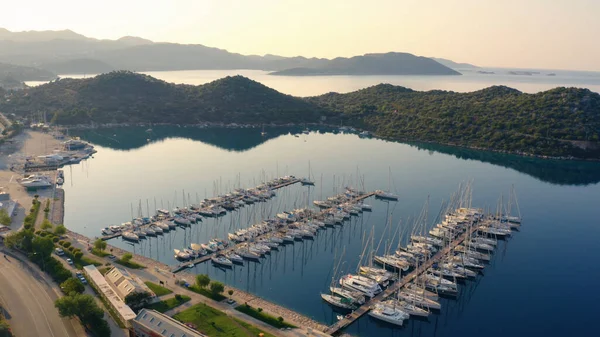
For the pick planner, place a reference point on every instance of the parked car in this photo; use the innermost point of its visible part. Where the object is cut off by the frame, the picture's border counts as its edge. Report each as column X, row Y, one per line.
column 78, row 274
column 112, row 257
column 69, row 261
column 83, row 280
column 59, row 252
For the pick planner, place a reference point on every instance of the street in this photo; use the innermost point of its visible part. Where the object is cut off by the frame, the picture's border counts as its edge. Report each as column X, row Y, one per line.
column 29, row 302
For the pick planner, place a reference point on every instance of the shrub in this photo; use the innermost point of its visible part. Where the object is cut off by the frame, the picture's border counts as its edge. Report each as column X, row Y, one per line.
column 66, row 244
column 78, row 255
column 71, row 249
column 61, row 242
column 259, row 309
column 178, row 297
column 55, row 239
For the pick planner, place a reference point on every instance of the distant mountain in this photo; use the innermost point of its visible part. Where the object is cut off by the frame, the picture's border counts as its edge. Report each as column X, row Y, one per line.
column 64, row 52
column 562, row 122
column 78, row 66
column 454, row 65
column 374, row 64
column 22, row 73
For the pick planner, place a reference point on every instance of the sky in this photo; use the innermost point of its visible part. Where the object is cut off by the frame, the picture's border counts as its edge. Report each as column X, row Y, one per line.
column 543, row 34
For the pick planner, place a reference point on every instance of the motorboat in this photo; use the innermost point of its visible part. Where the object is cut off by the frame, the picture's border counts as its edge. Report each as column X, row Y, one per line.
column 388, row 314
column 106, row 231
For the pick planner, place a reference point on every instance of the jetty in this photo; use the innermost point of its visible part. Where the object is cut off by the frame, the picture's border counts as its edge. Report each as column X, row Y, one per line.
column 207, row 257
column 356, row 314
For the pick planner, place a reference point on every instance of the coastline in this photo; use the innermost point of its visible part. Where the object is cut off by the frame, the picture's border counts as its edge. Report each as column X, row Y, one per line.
column 374, row 135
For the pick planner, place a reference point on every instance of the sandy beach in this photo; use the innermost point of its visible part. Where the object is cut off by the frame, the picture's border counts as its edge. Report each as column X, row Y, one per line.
column 28, row 144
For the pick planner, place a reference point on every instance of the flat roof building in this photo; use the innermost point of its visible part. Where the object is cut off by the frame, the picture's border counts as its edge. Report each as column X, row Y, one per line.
column 106, row 291
column 151, row 323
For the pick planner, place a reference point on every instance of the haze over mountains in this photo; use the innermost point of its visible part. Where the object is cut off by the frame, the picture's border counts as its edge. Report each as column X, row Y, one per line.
column 67, row 52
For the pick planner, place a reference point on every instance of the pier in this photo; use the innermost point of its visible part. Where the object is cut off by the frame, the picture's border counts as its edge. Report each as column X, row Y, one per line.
column 207, row 257
column 349, row 319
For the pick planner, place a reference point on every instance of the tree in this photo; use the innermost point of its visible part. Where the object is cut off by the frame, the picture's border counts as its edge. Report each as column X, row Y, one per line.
column 280, row 319
column 42, row 246
column 72, row 285
column 126, row 257
column 259, row 309
column 46, row 225
column 4, row 218
column 5, row 329
column 137, row 299
column 202, row 280
column 216, row 287
column 100, row 244
column 230, row 292
column 60, row 230
column 81, row 305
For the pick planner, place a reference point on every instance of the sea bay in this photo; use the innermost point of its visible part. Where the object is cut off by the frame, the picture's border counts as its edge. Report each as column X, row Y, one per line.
column 136, row 171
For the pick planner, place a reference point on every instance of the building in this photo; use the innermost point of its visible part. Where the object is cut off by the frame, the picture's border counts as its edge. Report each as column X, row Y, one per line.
column 98, row 282
column 124, row 283
column 151, row 323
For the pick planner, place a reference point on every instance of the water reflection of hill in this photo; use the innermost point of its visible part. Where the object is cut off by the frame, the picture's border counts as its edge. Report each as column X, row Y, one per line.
column 560, row 172
column 129, row 138
column 244, row 139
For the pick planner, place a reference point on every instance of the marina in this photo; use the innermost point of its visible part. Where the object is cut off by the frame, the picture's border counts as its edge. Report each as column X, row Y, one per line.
column 306, row 266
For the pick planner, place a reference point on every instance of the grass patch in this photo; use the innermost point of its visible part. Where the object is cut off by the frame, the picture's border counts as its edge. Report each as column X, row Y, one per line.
column 262, row 316
column 215, row 323
column 207, row 293
column 99, row 253
column 157, row 289
column 130, row 264
column 166, row 305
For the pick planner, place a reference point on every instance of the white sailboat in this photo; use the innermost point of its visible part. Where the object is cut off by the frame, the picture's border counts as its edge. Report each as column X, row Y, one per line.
column 339, row 302
column 388, row 314
column 388, row 195
column 307, row 181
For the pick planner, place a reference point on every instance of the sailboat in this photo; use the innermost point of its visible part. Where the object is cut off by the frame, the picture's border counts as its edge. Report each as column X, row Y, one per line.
column 387, row 195
column 388, row 314
column 307, row 181
column 263, row 132
column 339, row 302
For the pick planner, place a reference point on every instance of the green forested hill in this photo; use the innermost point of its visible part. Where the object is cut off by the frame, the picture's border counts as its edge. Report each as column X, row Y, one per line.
column 125, row 97
column 557, row 122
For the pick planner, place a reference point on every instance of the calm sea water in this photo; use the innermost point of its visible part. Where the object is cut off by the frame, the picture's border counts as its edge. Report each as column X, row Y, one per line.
column 541, row 282
column 317, row 85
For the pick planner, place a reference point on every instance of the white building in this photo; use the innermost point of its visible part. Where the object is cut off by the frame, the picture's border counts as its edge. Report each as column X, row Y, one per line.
column 124, row 283
column 106, row 291
column 149, row 323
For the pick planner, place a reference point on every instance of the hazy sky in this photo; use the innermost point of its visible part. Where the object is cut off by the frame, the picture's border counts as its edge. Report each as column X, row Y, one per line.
column 551, row 34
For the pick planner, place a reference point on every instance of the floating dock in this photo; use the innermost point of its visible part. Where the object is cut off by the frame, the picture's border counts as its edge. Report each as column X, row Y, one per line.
column 349, row 319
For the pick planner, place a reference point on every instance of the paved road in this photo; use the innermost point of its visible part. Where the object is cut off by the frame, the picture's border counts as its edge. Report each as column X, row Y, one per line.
column 29, row 303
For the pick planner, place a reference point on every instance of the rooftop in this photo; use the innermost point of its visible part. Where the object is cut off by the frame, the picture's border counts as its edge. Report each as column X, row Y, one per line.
column 164, row 325
column 96, row 277
column 124, row 283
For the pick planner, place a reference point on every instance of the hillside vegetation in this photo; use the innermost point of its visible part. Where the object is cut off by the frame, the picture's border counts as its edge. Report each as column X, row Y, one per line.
column 558, row 122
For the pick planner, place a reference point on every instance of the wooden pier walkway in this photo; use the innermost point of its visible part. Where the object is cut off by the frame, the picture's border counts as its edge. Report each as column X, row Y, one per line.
column 207, row 257
column 341, row 324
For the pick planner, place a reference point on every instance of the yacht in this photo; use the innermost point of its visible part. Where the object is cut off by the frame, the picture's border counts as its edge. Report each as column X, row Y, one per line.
column 379, row 275
column 306, row 181
column 355, row 296
column 129, row 236
column 36, row 181
column 222, row 261
column 106, row 231
column 247, row 254
column 420, row 291
column 392, row 261
column 361, row 284
column 115, row 228
column 467, row 262
column 235, row 258
column 181, row 221
column 338, row 302
column 419, row 300
column 181, row 255
column 386, row 195
column 473, row 254
column 164, row 226
column 411, row 309
column 388, row 314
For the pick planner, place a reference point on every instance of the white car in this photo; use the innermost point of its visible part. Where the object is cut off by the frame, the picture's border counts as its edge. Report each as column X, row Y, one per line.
column 69, row 261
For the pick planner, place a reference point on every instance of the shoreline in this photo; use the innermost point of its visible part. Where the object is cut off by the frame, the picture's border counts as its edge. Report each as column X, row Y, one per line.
column 374, row 135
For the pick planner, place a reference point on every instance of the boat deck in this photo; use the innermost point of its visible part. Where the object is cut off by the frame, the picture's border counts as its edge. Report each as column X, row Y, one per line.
column 341, row 324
